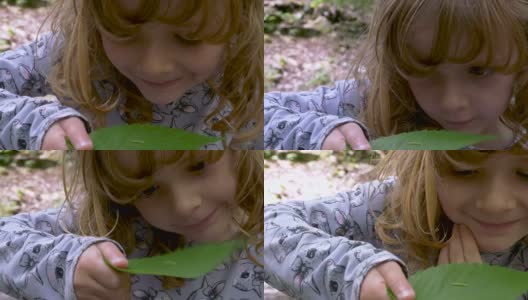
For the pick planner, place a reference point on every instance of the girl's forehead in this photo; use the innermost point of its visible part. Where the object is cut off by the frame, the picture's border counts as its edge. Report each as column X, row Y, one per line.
column 131, row 7
column 169, row 9
column 492, row 159
column 134, row 162
column 427, row 34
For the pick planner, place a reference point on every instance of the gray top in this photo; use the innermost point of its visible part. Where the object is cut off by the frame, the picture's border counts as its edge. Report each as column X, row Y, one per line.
column 323, row 249
column 303, row 120
column 25, row 116
column 38, row 259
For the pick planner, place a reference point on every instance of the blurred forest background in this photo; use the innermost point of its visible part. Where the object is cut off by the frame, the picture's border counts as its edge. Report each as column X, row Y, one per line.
column 308, row 43
column 29, row 181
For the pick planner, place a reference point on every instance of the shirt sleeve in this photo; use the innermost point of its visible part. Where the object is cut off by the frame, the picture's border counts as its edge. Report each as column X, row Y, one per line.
column 25, row 115
column 303, row 120
column 38, row 257
column 323, row 249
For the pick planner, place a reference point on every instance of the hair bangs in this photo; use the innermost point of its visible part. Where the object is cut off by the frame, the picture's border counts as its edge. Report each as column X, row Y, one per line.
column 203, row 18
column 130, row 181
column 488, row 34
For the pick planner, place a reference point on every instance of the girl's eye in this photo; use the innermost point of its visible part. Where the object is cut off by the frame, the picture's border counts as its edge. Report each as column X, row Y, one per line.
column 465, row 173
column 119, row 37
column 523, row 174
column 150, row 191
column 480, row 71
column 197, row 167
column 187, row 41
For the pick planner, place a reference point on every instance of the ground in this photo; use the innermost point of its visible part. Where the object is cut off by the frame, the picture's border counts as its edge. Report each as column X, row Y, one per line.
column 19, row 25
column 307, row 46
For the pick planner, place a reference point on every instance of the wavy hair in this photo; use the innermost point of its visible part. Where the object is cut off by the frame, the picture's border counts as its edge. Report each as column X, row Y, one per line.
column 102, row 192
column 82, row 60
column 489, row 27
column 413, row 223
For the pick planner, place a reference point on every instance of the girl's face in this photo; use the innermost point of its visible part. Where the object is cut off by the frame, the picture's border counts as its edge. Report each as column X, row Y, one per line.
column 490, row 197
column 161, row 60
column 193, row 198
column 466, row 97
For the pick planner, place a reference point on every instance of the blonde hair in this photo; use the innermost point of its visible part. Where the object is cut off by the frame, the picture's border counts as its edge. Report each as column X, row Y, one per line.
column 101, row 191
column 413, row 223
column 390, row 106
column 82, row 59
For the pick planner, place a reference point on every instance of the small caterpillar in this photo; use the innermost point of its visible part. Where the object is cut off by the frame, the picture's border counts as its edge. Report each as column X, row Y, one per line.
column 459, row 284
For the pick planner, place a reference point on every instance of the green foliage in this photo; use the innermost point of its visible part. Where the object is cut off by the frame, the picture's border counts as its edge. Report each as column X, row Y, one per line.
column 26, row 3
column 186, row 263
column 348, row 156
column 429, row 140
column 469, row 282
column 341, row 3
column 24, row 158
column 147, row 137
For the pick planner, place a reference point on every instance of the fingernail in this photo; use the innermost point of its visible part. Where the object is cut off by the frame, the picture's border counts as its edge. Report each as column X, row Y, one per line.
column 116, row 261
column 362, row 147
column 83, row 144
column 404, row 294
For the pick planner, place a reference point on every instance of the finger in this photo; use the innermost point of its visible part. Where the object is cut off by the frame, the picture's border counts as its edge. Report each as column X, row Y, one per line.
column 76, row 132
column 396, row 280
column 334, row 141
column 469, row 245
column 105, row 275
column 456, row 252
column 54, row 139
column 355, row 136
column 113, row 254
column 443, row 257
column 373, row 287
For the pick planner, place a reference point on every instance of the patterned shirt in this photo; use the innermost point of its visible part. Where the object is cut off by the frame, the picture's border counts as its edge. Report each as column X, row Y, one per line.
column 38, row 259
column 323, row 249
column 26, row 115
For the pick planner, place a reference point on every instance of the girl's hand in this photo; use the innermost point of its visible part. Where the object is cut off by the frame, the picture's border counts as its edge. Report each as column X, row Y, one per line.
column 349, row 133
column 74, row 129
column 461, row 247
column 93, row 279
column 388, row 274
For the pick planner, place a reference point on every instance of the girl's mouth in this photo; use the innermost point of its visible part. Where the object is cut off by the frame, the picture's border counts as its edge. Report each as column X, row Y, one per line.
column 165, row 84
column 204, row 223
column 458, row 124
column 496, row 227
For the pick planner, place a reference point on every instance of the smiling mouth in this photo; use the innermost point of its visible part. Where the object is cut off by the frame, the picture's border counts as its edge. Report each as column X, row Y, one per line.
column 161, row 84
column 496, row 225
column 203, row 222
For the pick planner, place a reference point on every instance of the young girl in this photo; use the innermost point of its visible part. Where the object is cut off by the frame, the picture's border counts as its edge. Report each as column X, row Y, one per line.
column 193, row 65
column 133, row 204
column 441, row 207
column 428, row 64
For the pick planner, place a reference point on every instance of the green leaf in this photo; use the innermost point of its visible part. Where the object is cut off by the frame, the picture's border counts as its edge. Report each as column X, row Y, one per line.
column 429, row 140
column 190, row 262
column 147, row 137
column 469, row 282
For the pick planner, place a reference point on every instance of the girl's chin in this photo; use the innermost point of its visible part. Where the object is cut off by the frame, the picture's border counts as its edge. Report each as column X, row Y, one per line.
column 492, row 246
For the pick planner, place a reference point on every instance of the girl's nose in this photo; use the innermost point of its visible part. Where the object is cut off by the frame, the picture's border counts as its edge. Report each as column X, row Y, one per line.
column 186, row 200
column 454, row 99
column 496, row 198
